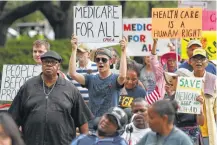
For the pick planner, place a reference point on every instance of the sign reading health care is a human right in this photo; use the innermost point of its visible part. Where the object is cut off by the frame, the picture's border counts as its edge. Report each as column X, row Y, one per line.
column 138, row 33
column 98, row 24
column 176, row 22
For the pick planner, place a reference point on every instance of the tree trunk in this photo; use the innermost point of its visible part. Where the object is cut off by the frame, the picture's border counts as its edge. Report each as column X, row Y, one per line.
column 60, row 18
column 3, row 33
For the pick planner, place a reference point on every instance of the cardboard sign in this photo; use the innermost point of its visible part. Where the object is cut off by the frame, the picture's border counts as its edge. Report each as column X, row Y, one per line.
column 125, row 101
column 209, row 20
column 98, row 24
column 188, row 89
column 176, row 22
column 13, row 77
column 192, row 4
column 138, row 33
column 208, row 41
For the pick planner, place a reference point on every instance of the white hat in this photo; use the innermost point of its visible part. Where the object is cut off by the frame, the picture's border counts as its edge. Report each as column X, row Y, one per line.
column 194, row 42
column 180, row 72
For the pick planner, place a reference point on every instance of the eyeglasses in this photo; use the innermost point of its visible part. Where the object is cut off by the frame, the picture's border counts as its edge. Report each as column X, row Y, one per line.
column 199, row 59
column 104, row 60
column 48, row 61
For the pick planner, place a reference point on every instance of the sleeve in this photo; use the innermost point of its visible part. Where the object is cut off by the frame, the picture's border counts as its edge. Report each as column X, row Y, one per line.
column 116, row 81
column 123, row 142
column 157, row 68
column 16, row 108
column 87, row 80
column 80, row 111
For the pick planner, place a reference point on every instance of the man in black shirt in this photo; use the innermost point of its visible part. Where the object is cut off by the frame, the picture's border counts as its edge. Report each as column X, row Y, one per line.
column 49, row 108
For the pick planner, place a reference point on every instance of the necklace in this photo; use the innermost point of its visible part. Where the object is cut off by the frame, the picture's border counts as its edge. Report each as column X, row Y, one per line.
column 47, row 94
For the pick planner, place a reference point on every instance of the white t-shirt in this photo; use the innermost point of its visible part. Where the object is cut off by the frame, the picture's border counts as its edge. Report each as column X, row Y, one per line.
column 136, row 134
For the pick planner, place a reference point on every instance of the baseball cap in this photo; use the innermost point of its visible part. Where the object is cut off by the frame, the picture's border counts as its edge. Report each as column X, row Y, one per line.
column 119, row 115
column 194, row 42
column 104, row 51
column 51, row 54
column 83, row 48
column 180, row 72
column 164, row 58
column 199, row 51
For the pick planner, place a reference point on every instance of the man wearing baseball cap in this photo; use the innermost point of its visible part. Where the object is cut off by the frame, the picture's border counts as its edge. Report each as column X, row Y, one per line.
column 107, row 130
column 199, row 62
column 192, row 45
column 83, row 66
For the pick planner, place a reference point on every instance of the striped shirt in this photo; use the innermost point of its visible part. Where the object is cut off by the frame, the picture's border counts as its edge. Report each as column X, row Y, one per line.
column 91, row 68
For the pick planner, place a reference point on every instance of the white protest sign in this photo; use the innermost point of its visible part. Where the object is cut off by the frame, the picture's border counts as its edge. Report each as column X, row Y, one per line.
column 14, row 76
column 138, row 33
column 98, row 24
column 192, row 4
column 188, row 89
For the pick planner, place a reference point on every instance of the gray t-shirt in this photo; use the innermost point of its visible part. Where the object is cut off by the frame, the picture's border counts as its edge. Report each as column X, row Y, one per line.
column 176, row 137
column 148, row 80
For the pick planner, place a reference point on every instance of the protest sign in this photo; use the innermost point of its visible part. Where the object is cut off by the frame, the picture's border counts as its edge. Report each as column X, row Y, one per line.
column 98, row 24
column 208, row 41
column 192, row 4
column 138, row 33
column 209, row 20
column 125, row 101
column 188, row 89
column 13, row 77
column 176, row 22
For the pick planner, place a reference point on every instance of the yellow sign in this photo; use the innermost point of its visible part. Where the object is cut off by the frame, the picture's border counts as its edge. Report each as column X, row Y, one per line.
column 125, row 101
column 208, row 41
column 176, row 22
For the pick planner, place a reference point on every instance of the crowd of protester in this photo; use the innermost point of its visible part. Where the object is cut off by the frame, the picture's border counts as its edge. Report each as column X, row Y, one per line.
column 107, row 98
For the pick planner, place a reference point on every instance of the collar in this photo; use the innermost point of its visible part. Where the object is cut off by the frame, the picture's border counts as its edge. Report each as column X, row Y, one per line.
column 60, row 80
column 204, row 75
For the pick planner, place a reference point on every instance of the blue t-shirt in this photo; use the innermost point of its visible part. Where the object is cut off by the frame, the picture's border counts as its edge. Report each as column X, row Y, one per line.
column 210, row 67
column 137, row 92
column 103, row 93
column 94, row 140
column 176, row 137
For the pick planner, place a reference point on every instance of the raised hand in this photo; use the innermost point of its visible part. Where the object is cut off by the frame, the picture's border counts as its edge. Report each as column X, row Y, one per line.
column 123, row 43
column 74, row 42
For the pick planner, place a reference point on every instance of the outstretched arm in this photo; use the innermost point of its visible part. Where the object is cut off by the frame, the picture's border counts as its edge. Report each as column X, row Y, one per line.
column 72, row 62
column 123, row 63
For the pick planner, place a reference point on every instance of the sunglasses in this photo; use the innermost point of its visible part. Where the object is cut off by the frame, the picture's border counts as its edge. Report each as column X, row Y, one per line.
column 104, row 60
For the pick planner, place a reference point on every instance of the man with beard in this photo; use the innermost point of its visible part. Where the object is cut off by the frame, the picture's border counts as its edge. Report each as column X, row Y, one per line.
column 83, row 66
column 107, row 131
column 48, row 107
column 139, row 125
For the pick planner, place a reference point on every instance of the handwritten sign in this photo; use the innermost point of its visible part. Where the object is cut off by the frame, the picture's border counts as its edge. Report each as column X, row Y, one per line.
column 13, row 77
column 125, row 101
column 188, row 89
column 192, row 4
column 98, row 24
column 208, row 41
column 138, row 33
column 176, row 22
column 209, row 20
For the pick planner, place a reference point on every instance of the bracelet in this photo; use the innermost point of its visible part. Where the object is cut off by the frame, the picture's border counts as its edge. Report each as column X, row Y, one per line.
column 154, row 54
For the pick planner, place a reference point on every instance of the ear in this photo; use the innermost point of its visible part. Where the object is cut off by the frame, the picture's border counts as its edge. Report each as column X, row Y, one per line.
column 110, row 61
column 165, row 118
column 206, row 62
